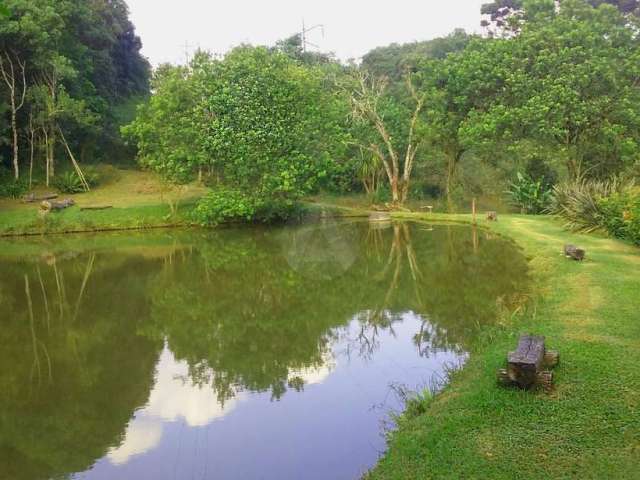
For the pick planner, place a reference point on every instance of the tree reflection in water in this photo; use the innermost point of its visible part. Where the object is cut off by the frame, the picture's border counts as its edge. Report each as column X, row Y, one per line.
column 238, row 311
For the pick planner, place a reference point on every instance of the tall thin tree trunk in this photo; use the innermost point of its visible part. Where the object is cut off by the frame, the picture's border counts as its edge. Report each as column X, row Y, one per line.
column 14, row 127
column 395, row 196
column 31, row 149
column 46, row 154
column 449, row 185
column 9, row 76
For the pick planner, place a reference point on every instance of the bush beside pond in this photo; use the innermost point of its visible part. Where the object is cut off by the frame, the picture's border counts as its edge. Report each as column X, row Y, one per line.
column 621, row 215
column 230, row 205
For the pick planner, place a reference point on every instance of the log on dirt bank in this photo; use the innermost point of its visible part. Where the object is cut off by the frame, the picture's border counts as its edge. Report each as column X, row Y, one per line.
column 50, row 205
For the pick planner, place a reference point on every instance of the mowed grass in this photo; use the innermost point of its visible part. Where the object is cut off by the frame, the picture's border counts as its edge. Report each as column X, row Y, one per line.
column 589, row 427
column 139, row 200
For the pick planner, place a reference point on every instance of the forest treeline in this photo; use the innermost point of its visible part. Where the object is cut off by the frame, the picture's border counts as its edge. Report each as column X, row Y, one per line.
column 71, row 73
column 551, row 92
column 548, row 95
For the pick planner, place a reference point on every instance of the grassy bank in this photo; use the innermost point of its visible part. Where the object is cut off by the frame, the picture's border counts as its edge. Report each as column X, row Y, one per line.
column 589, row 427
column 138, row 199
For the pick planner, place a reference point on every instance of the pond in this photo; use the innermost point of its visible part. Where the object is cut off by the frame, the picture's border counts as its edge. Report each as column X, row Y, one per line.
column 266, row 353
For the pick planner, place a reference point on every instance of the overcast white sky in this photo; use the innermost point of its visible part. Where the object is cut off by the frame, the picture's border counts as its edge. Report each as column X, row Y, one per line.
column 352, row 27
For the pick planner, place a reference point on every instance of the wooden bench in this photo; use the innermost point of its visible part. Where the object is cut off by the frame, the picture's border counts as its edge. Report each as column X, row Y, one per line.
column 492, row 216
column 527, row 366
column 571, row 251
column 427, row 207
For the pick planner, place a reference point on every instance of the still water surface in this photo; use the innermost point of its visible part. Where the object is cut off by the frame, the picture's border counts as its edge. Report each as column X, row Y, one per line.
column 236, row 353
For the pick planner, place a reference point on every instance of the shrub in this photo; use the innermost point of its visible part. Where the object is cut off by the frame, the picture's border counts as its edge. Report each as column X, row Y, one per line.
column 10, row 187
column 530, row 196
column 69, row 182
column 222, row 205
column 579, row 204
column 229, row 205
column 621, row 215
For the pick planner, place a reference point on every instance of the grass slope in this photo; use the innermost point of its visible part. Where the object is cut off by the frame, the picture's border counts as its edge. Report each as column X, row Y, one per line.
column 589, row 428
column 140, row 200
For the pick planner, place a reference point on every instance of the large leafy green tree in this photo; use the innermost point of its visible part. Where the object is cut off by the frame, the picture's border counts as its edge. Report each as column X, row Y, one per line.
column 262, row 123
column 569, row 79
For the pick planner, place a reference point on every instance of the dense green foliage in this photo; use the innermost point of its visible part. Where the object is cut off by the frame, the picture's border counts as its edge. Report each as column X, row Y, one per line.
column 9, row 186
column 70, row 182
column 551, row 92
column 530, row 196
column 621, row 215
column 257, row 122
column 554, row 96
column 579, row 202
column 70, row 69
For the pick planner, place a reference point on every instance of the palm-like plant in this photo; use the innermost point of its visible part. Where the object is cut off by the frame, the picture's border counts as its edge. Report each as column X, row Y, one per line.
column 578, row 202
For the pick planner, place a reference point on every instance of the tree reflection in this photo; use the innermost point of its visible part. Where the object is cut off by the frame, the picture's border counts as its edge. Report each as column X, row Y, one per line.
column 70, row 382
column 244, row 310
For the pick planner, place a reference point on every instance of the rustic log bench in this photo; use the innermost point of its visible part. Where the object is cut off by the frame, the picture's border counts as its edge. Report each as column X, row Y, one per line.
column 492, row 216
column 571, row 251
column 49, row 205
column 528, row 365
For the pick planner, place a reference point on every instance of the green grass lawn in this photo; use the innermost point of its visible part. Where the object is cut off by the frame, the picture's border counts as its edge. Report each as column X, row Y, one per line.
column 589, row 427
column 139, row 200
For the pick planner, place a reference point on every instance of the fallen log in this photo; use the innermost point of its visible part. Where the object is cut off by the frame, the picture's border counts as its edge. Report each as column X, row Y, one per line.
column 96, row 207
column 492, row 216
column 527, row 366
column 33, row 198
column 571, row 251
column 50, row 205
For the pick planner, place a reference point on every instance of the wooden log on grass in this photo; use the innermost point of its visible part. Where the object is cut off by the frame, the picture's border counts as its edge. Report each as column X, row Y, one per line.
column 96, row 207
column 527, row 366
column 33, row 198
column 51, row 205
column 571, row 251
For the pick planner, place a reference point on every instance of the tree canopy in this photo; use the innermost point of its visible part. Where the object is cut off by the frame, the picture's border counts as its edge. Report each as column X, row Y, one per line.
column 78, row 65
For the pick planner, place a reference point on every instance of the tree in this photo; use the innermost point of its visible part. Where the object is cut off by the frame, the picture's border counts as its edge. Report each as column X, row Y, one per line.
column 13, row 74
column 261, row 123
column 394, row 60
column 89, row 51
column 569, row 80
column 369, row 101
column 507, row 16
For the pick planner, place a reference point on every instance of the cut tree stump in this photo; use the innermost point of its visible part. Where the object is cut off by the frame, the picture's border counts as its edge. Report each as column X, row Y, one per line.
column 527, row 366
column 50, row 205
column 571, row 251
column 33, row 198
column 492, row 216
